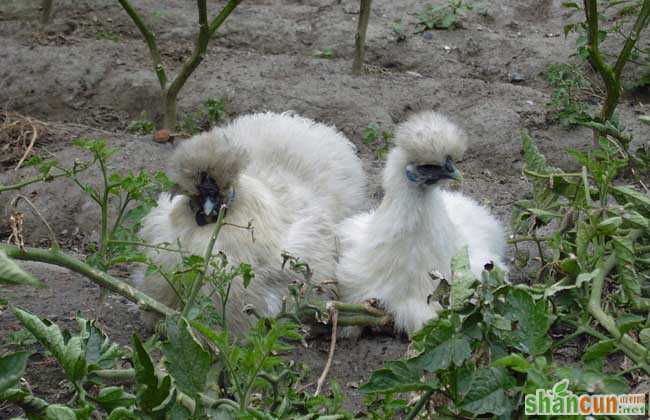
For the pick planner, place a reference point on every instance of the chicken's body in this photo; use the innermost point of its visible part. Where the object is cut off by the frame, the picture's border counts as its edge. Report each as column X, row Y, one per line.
column 388, row 253
column 294, row 179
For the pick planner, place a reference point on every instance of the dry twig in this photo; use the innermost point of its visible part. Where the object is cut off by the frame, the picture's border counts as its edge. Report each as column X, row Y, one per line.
column 334, row 318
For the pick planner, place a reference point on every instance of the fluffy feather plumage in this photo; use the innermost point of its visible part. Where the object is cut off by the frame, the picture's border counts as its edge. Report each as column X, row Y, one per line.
column 294, row 178
column 389, row 252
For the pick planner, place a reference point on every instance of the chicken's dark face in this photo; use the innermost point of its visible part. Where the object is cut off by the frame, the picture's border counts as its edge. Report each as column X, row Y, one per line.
column 208, row 200
column 430, row 174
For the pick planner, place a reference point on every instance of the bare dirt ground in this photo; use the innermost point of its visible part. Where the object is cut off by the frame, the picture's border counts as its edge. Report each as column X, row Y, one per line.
column 90, row 68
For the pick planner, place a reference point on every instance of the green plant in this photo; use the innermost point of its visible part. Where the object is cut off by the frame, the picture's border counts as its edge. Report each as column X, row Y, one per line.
column 380, row 140
column 20, row 339
column 325, row 53
column 491, row 345
column 570, row 94
column 215, row 110
column 211, row 113
column 592, row 36
column 107, row 35
column 397, row 27
column 141, row 126
column 445, row 16
column 216, row 375
column 207, row 29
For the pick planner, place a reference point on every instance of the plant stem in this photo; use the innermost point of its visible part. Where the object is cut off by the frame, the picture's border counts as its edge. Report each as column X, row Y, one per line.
column 150, row 39
column 46, row 14
column 96, row 276
column 54, row 244
column 146, row 245
column 360, row 37
column 611, row 75
column 330, row 357
column 198, row 281
column 205, row 33
column 605, row 320
column 420, row 405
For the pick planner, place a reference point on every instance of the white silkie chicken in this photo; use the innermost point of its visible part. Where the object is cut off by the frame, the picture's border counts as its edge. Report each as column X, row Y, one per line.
column 388, row 253
column 295, row 179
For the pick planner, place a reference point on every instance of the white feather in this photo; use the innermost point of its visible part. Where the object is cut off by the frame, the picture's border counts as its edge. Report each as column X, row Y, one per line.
column 388, row 253
column 295, row 179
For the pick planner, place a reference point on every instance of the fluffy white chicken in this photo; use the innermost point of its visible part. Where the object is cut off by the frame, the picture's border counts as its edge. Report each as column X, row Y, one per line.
column 388, row 253
column 295, row 179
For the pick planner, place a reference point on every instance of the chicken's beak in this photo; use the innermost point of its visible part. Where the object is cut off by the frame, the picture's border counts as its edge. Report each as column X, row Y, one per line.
column 208, row 206
column 454, row 174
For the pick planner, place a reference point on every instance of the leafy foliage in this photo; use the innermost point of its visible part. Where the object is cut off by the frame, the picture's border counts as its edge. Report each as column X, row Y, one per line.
column 141, row 126
column 446, row 16
column 211, row 113
column 380, row 140
column 569, row 97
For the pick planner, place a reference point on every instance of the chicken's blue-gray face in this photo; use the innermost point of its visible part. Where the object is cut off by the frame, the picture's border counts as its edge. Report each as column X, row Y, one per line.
column 208, row 200
column 432, row 174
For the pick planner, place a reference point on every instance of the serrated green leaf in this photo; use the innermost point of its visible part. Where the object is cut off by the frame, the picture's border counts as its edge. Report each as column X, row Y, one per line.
column 70, row 354
column 463, row 280
column 112, row 397
column 486, row 393
column 454, row 350
column 186, row 360
column 532, row 323
column 396, row 376
column 12, row 368
column 11, row 273
column 100, row 351
column 533, row 158
column 151, row 393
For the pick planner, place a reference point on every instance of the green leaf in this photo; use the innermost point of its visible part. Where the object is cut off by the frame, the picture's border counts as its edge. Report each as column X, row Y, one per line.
column 534, row 159
column 100, row 351
column 12, row 368
column 122, row 413
column 60, row 412
column 396, row 376
column 645, row 119
column 186, row 360
column 112, row 397
column 486, row 393
column 598, row 351
column 11, row 273
column 70, row 354
column 570, row 5
column 454, row 348
column 644, row 336
column 531, row 323
column 462, row 281
column 151, row 394
column 514, row 361
column 628, row 194
column 628, row 322
column 610, row 226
